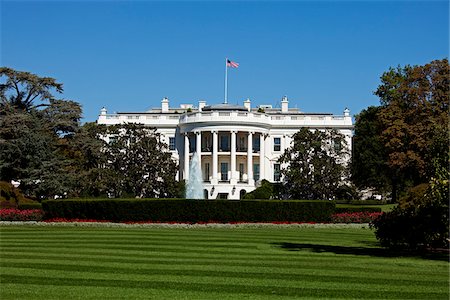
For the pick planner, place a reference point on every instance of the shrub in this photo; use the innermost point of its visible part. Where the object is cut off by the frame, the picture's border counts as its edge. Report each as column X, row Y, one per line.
column 352, row 209
column 419, row 224
column 24, row 206
column 190, row 211
column 347, row 192
column 12, row 214
column 11, row 197
column 415, row 195
column 413, row 228
column 355, row 217
column 265, row 191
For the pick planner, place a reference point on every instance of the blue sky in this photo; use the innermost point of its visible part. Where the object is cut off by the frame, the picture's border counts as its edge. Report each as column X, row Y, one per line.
column 128, row 55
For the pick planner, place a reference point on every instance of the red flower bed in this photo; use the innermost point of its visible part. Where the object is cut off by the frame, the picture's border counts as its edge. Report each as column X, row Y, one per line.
column 12, row 214
column 355, row 217
column 64, row 220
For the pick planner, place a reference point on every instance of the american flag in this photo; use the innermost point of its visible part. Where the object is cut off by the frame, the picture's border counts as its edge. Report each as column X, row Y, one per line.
column 232, row 64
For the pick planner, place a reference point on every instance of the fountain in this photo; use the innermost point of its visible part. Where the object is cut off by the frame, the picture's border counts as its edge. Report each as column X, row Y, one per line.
column 194, row 187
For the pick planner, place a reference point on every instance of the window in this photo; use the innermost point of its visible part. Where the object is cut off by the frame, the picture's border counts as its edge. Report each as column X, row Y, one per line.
column 276, row 172
column 256, row 143
column 171, row 143
column 277, row 144
column 256, row 172
column 206, row 144
column 112, row 139
column 337, row 145
column 241, row 172
column 206, row 174
column 224, row 171
column 242, row 147
column 224, row 143
column 192, row 143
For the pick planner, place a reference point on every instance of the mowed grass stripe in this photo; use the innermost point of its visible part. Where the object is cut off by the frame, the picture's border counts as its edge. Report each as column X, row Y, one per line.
column 309, row 275
column 262, row 255
column 211, row 279
column 196, row 234
column 297, row 291
column 405, row 271
column 198, row 258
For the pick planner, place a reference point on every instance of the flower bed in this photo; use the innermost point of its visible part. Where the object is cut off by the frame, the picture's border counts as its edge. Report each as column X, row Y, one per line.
column 355, row 217
column 12, row 214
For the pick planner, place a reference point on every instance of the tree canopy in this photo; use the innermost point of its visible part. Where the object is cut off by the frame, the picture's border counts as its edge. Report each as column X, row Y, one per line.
column 369, row 168
column 21, row 89
column 410, row 126
column 317, row 165
column 43, row 145
column 138, row 163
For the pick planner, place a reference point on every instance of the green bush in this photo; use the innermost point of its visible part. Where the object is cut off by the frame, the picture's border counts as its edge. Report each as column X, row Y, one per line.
column 11, row 196
column 25, row 206
column 190, row 211
column 350, row 209
column 413, row 228
column 415, row 196
column 265, row 191
column 422, row 222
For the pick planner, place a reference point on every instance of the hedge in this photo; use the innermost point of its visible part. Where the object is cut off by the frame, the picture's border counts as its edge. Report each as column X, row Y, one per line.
column 24, row 206
column 352, row 209
column 190, row 211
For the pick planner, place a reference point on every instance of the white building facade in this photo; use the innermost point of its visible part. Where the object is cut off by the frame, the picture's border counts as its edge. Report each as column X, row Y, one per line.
column 238, row 146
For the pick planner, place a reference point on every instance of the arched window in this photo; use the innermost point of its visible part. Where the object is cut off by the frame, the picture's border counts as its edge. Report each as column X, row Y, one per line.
column 242, row 193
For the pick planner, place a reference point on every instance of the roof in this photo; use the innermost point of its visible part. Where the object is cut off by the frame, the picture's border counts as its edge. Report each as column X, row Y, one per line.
column 229, row 107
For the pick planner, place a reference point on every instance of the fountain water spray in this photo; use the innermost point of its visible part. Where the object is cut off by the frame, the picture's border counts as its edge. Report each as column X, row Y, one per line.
column 194, row 187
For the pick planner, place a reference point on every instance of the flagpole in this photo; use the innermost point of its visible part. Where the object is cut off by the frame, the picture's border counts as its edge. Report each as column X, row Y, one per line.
column 226, row 83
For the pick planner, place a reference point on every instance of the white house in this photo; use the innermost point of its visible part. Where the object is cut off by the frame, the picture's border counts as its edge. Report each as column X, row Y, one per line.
column 238, row 146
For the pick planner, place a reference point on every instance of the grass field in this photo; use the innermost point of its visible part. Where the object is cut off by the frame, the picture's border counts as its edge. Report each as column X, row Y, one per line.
column 210, row 263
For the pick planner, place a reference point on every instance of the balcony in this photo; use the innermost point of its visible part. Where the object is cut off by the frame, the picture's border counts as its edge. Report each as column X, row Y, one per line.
column 265, row 120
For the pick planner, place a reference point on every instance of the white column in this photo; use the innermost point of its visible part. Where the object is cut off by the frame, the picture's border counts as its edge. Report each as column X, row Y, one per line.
column 186, row 156
column 233, row 157
column 215, row 157
column 198, row 147
column 262, row 150
column 250, row 158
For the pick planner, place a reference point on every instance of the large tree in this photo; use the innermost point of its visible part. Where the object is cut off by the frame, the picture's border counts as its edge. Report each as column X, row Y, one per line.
column 20, row 89
column 87, row 150
column 33, row 137
column 138, row 163
column 369, row 167
column 317, row 164
column 414, row 116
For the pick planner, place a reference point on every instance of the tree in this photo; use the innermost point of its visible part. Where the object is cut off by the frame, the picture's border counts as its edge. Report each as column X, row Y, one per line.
column 87, row 150
column 414, row 116
column 369, row 167
column 33, row 138
column 317, row 164
column 138, row 163
column 21, row 89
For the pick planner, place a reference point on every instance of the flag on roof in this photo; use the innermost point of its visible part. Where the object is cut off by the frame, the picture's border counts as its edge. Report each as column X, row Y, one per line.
column 232, row 64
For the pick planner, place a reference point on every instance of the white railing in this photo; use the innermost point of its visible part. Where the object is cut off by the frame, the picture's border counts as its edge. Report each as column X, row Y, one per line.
column 233, row 116
column 272, row 120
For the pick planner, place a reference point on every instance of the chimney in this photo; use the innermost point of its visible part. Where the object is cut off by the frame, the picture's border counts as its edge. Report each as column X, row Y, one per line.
column 201, row 104
column 346, row 112
column 247, row 104
column 284, row 104
column 165, row 105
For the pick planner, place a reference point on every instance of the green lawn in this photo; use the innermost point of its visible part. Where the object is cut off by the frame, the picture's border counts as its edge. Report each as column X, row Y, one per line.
column 210, row 263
